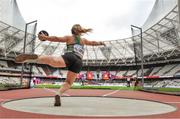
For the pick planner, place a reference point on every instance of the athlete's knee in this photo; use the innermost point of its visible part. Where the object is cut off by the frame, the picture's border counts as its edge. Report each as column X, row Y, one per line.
column 69, row 82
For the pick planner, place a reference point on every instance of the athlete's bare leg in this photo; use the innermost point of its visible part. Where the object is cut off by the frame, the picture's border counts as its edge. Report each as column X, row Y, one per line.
column 71, row 76
column 52, row 61
column 44, row 59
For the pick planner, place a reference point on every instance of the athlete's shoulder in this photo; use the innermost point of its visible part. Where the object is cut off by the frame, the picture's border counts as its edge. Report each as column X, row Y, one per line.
column 84, row 41
column 68, row 37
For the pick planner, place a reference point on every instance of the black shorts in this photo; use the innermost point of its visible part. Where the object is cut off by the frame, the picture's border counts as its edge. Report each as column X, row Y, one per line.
column 73, row 62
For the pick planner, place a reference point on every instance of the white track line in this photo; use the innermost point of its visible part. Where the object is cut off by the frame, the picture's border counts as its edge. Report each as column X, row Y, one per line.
column 51, row 90
column 65, row 94
column 110, row 93
column 173, row 102
column 1, row 99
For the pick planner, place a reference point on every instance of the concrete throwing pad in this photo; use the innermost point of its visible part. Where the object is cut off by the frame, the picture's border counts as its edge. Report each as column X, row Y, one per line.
column 90, row 106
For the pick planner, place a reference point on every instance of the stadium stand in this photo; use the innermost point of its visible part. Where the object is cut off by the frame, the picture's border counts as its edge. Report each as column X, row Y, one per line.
column 3, row 64
column 173, row 71
column 155, row 70
column 165, row 70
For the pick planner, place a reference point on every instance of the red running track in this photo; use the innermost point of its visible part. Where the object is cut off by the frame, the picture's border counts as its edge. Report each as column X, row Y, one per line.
column 28, row 93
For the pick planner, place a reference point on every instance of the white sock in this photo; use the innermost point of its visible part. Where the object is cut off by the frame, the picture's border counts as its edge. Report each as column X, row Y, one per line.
column 58, row 93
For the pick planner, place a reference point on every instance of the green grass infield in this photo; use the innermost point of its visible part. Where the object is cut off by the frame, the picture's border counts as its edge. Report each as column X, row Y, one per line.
column 108, row 87
column 90, row 87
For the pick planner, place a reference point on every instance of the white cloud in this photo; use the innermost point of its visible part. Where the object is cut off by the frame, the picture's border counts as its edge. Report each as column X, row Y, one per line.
column 110, row 19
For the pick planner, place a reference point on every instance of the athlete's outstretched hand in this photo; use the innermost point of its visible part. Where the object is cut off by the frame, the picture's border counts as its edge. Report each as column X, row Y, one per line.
column 41, row 37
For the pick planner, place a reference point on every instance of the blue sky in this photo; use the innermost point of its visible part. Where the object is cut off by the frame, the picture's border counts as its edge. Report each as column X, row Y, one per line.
column 109, row 19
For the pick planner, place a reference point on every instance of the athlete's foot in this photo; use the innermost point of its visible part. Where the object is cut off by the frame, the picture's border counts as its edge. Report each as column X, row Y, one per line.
column 57, row 100
column 22, row 58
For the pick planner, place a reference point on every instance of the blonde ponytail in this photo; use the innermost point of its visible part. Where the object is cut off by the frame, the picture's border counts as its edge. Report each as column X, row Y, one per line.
column 78, row 30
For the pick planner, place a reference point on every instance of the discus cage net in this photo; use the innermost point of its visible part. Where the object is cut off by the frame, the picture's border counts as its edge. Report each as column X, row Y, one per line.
column 13, row 42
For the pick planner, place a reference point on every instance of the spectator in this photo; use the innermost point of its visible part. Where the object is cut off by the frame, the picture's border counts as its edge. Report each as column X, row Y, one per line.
column 128, row 82
column 136, row 83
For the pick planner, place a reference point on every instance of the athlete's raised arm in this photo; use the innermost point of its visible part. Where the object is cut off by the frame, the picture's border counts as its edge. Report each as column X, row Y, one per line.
column 52, row 38
column 93, row 43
